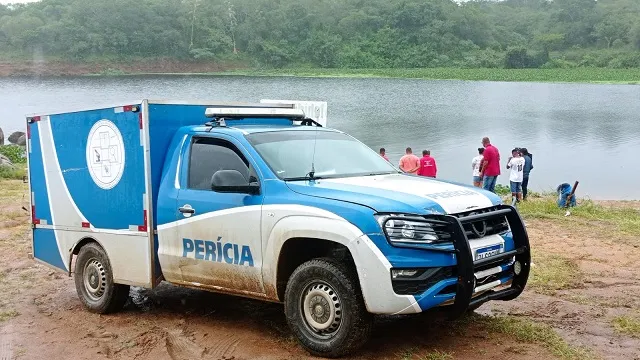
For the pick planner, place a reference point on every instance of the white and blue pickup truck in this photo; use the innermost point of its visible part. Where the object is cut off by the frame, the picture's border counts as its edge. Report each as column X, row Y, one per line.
column 262, row 201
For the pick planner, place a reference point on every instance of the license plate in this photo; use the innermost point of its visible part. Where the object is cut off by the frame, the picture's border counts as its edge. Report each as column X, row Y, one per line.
column 488, row 251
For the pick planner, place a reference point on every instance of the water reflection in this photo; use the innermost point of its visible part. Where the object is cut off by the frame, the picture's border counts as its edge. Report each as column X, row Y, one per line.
column 575, row 131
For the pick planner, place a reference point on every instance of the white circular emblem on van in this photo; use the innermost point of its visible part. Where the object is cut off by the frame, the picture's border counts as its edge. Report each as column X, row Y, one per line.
column 105, row 154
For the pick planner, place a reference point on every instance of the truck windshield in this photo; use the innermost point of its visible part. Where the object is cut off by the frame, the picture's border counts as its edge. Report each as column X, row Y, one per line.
column 290, row 155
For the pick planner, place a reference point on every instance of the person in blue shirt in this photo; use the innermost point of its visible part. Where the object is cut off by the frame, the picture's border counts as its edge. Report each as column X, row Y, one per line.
column 528, row 166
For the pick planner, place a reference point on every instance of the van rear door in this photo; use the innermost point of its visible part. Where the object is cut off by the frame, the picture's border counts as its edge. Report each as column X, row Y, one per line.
column 88, row 180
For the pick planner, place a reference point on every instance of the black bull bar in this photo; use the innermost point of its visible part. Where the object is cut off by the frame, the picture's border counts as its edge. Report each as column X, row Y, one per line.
column 466, row 265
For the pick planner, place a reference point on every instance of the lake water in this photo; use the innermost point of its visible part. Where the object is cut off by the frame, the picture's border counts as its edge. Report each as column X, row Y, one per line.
column 580, row 132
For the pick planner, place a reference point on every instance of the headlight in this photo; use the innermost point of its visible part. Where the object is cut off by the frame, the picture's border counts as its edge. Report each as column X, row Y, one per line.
column 409, row 231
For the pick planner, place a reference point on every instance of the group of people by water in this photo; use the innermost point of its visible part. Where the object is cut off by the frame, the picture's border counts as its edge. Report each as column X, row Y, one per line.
column 486, row 167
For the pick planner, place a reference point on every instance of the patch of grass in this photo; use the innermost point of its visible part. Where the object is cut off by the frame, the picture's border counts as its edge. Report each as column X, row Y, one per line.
column 627, row 325
column 503, row 190
column 436, row 355
column 407, row 354
column 12, row 215
column 6, row 315
column 623, row 219
column 554, row 272
column 12, row 186
column 16, row 173
column 528, row 331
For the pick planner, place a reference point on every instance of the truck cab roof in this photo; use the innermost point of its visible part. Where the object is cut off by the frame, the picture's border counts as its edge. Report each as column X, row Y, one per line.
column 246, row 129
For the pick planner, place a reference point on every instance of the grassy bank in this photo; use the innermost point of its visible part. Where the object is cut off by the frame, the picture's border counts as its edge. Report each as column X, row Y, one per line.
column 58, row 67
column 579, row 75
column 528, row 331
column 622, row 220
column 16, row 173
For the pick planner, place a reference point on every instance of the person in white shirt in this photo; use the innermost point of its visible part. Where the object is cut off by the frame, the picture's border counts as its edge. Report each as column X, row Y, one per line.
column 476, row 163
column 516, row 164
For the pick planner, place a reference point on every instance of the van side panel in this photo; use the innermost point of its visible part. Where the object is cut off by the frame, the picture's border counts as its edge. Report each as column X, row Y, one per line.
column 89, row 166
column 164, row 121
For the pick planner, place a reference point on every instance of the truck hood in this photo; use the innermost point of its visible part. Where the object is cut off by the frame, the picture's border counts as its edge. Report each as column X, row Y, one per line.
column 399, row 193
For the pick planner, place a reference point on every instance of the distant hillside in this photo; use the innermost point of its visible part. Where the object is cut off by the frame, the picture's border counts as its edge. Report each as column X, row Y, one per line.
column 328, row 33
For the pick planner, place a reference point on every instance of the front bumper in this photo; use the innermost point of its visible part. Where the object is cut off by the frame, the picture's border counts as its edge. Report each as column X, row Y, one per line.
column 471, row 279
column 461, row 281
column 468, row 294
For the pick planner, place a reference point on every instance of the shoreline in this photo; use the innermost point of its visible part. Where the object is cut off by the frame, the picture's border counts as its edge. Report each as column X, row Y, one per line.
column 160, row 67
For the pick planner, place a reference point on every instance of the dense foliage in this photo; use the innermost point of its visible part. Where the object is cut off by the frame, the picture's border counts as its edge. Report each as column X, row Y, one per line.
column 331, row 33
column 15, row 153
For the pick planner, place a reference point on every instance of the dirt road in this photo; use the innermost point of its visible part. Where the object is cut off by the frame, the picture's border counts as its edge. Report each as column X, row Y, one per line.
column 585, row 283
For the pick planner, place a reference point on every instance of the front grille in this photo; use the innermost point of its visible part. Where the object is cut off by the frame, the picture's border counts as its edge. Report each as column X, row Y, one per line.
column 493, row 264
column 422, row 281
column 491, row 226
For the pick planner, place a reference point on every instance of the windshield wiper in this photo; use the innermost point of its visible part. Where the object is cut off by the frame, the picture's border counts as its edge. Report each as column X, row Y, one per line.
column 307, row 177
column 381, row 173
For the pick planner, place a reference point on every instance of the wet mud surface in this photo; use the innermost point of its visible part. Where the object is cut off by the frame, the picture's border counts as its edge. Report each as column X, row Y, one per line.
column 42, row 318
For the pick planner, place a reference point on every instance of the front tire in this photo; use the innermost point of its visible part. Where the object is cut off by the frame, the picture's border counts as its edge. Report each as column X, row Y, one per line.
column 94, row 281
column 325, row 308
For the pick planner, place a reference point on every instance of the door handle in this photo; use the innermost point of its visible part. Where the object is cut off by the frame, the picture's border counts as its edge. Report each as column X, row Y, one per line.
column 187, row 209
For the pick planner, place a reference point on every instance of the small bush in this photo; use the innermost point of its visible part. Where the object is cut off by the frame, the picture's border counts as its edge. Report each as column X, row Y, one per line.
column 15, row 153
column 17, row 173
column 503, row 190
column 559, row 64
column 625, row 61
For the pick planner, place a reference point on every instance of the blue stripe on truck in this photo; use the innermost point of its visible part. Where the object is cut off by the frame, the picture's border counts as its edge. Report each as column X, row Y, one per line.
column 36, row 176
column 45, row 248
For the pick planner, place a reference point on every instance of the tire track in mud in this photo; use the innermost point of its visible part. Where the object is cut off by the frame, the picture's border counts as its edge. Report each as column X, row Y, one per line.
column 180, row 347
column 224, row 349
column 6, row 344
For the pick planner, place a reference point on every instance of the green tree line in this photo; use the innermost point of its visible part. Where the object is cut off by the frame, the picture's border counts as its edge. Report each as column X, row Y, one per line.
column 330, row 33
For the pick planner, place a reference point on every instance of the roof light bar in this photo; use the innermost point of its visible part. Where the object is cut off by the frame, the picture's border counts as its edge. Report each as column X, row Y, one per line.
column 254, row 112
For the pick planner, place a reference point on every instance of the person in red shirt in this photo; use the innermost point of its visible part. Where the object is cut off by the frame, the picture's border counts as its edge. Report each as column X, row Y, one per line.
column 428, row 165
column 490, row 165
column 383, row 153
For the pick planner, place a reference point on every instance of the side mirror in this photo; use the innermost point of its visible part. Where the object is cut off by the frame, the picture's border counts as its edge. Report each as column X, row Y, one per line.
column 232, row 181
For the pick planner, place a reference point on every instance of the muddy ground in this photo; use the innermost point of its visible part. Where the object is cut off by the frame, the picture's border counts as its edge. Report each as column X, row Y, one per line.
column 42, row 318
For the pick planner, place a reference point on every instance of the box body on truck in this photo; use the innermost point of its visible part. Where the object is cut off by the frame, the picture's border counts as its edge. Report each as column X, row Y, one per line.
column 259, row 200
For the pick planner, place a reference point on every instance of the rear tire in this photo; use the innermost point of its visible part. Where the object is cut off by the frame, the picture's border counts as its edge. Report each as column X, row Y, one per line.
column 94, row 281
column 325, row 308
